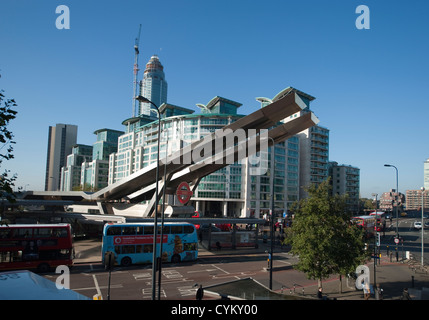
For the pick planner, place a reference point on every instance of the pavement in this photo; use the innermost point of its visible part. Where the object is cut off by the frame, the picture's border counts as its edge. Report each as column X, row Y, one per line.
column 392, row 277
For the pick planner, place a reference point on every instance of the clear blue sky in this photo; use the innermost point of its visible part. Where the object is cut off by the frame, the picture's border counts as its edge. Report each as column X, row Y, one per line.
column 369, row 85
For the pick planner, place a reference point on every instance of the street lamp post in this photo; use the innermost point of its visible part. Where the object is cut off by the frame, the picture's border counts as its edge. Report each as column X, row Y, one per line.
column 375, row 242
column 155, row 229
column 423, row 241
column 162, row 217
column 272, row 213
column 397, row 200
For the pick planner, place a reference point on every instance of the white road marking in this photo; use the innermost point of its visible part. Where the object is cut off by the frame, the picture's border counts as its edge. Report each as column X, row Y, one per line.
column 96, row 284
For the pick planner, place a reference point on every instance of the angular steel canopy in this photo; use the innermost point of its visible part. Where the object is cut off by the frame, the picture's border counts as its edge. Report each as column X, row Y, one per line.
column 263, row 118
column 181, row 167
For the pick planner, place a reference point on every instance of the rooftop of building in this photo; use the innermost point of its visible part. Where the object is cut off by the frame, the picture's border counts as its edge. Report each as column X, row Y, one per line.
column 217, row 99
column 153, row 64
column 110, row 130
column 165, row 106
column 287, row 90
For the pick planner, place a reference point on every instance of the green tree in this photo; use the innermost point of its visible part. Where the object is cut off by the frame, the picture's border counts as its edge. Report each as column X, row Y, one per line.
column 6, row 146
column 323, row 236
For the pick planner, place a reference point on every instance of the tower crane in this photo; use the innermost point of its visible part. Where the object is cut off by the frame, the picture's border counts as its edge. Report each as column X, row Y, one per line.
column 136, row 70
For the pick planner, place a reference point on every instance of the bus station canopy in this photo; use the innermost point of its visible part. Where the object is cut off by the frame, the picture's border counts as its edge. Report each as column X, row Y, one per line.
column 141, row 184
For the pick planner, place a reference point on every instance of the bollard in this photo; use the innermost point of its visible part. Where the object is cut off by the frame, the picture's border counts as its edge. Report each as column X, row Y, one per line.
column 412, row 281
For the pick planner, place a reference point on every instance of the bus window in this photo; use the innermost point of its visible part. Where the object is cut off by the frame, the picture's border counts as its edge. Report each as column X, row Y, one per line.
column 139, row 230
column 22, row 233
column 114, row 231
column 62, row 232
column 4, row 233
column 16, row 256
column 148, row 230
column 128, row 230
column 188, row 229
column 4, row 256
column 148, row 248
column 176, row 229
column 128, row 249
column 167, row 230
column 43, row 233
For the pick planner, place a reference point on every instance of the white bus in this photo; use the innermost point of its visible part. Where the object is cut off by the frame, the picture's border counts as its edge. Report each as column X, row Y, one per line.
column 132, row 243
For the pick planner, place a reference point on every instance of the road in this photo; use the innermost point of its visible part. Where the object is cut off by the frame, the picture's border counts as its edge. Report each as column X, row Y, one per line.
column 411, row 238
column 180, row 281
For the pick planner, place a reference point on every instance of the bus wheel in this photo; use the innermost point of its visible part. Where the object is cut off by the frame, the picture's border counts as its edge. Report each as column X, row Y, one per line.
column 175, row 258
column 126, row 262
column 43, row 268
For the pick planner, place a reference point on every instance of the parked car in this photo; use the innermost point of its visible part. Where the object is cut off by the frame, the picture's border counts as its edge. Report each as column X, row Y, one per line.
column 417, row 225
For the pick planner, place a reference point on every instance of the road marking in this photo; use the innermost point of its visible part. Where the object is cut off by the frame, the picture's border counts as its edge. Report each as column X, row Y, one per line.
column 171, row 274
column 142, row 276
column 96, row 285
column 113, row 286
column 220, row 269
column 206, row 270
column 187, row 291
column 147, row 293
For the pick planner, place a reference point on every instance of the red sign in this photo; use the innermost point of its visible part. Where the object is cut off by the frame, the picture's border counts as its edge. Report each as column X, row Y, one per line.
column 123, row 240
column 184, row 192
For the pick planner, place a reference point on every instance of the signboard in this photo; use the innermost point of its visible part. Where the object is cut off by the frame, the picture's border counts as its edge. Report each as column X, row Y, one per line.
column 396, row 240
column 184, row 192
column 126, row 240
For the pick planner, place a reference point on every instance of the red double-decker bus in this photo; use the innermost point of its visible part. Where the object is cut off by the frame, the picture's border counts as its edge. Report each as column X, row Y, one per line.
column 367, row 223
column 35, row 246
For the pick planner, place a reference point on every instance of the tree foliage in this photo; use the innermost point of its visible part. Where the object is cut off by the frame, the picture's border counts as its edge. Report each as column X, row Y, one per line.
column 323, row 236
column 7, row 114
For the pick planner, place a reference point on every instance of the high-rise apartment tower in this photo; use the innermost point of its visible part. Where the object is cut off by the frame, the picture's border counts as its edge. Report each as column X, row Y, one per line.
column 153, row 86
column 61, row 139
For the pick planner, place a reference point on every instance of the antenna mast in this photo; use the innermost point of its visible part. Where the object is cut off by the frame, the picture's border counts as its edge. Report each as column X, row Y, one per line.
column 136, row 71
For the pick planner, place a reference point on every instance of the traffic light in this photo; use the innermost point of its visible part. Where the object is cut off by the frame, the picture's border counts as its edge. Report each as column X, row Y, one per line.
column 109, row 260
column 378, row 240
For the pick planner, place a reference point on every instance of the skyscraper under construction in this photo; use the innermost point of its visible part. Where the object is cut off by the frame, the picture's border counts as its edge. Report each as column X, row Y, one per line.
column 153, row 86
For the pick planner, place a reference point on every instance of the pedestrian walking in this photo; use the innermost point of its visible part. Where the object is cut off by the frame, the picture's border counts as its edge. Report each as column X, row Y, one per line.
column 200, row 293
column 366, row 291
column 405, row 295
column 319, row 293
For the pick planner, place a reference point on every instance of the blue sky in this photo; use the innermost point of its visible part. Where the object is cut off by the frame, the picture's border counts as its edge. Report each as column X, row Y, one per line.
column 369, row 84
